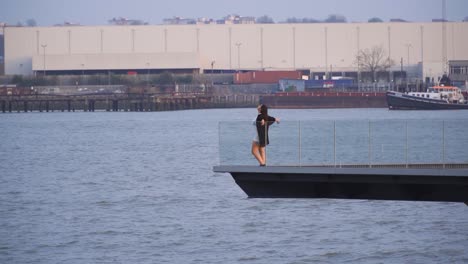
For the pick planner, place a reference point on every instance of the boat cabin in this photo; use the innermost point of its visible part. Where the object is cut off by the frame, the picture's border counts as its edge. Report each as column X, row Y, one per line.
column 451, row 94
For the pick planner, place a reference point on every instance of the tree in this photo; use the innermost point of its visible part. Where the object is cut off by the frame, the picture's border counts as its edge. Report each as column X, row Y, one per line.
column 126, row 21
column 265, row 20
column 373, row 60
column 304, row 20
column 31, row 22
column 375, row 20
column 335, row 19
column 165, row 78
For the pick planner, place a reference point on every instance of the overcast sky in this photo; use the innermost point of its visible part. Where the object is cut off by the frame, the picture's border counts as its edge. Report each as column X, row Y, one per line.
column 98, row 12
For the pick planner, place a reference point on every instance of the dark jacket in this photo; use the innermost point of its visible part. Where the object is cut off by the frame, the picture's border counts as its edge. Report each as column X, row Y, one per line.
column 262, row 131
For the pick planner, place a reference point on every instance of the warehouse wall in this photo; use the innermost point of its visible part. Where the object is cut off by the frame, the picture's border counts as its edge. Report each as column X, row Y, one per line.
column 318, row 47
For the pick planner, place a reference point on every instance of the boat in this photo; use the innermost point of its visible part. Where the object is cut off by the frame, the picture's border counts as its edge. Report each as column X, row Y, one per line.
column 438, row 97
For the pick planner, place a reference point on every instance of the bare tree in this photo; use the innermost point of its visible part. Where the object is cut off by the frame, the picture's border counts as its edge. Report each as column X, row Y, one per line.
column 373, row 60
column 304, row 20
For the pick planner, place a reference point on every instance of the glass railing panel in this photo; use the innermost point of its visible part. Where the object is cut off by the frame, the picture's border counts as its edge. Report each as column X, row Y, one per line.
column 284, row 144
column 388, row 142
column 317, row 143
column 348, row 142
column 425, row 141
column 235, row 141
column 455, row 141
column 351, row 142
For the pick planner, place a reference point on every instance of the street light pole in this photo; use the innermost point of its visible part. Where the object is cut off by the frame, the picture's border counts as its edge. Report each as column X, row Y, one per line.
column 147, row 73
column 401, row 70
column 43, row 53
column 408, row 46
column 238, row 55
column 212, row 64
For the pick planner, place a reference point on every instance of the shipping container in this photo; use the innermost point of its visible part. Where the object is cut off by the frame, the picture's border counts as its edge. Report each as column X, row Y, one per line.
column 341, row 83
column 265, row 76
column 291, row 85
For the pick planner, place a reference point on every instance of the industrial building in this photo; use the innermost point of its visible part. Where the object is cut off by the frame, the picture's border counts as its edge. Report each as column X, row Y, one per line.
column 317, row 48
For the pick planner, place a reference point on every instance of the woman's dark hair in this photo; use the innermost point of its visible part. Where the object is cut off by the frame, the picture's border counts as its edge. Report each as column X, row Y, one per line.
column 264, row 112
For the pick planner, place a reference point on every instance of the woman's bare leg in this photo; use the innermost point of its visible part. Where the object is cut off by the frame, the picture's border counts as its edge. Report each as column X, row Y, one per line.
column 263, row 154
column 257, row 153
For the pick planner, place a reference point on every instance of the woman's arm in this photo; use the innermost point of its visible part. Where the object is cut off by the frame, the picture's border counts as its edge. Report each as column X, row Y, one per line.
column 273, row 119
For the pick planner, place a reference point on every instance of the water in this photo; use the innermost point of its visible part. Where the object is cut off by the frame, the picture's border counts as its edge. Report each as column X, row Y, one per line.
column 139, row 188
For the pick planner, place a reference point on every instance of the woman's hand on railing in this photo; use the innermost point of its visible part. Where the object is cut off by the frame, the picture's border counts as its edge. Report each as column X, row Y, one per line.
column 277, row 120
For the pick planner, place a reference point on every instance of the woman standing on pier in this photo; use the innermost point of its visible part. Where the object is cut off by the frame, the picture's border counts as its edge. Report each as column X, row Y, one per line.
column 262, row 123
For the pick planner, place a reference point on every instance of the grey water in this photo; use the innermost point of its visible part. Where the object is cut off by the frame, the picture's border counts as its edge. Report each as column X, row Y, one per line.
column 125, row 187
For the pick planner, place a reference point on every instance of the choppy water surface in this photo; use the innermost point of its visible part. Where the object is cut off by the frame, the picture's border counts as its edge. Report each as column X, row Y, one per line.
column 139, row 188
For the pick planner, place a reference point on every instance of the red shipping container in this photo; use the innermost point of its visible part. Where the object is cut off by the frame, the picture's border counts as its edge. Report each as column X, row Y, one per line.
column 265, row 76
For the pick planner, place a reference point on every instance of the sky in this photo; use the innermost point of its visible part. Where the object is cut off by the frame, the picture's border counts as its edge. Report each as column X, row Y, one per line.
column 98, row 12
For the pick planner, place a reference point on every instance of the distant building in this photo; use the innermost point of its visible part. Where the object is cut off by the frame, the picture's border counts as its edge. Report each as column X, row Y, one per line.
column 67, row 24
column 205, row 21
column 236, row 19
column 439, row 20
column 397, row 20
column 458, row 72
column 179, row 21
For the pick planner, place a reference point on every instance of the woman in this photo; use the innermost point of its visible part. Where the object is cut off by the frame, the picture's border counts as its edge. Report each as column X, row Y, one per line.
column 262, row 123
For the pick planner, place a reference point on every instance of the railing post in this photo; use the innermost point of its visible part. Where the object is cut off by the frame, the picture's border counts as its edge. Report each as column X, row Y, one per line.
column 266, row 138
column 443, row 144
column 370, row 146
column 300, row 146
column 406, row 145
column 219, row 143
column 334, row 143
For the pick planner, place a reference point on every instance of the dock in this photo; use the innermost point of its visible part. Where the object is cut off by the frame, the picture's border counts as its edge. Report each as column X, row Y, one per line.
column 447, row 183
column 122, row 102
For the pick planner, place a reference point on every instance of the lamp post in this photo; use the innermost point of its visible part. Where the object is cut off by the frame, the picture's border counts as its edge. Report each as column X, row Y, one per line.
column 238, row 55
column 44, row 46
column 147, row 73
column 82, row 73
column 212, row 65
column 401, row 70
column 408, row 46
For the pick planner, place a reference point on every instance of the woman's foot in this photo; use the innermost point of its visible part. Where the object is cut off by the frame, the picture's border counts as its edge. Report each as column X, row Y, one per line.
column 262, row 165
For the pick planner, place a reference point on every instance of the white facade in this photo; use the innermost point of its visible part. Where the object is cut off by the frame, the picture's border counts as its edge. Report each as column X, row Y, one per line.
column 318, row 47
